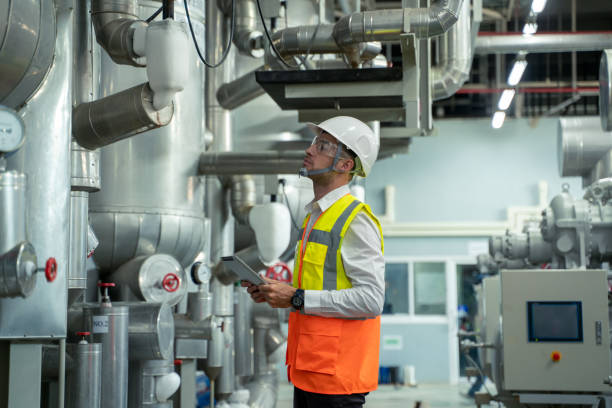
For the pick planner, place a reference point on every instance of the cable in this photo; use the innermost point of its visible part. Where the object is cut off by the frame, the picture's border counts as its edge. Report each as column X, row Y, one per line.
column 484, row 377
column 288, row 207
column 263, row 22
column 229, row 43
column 159, row 10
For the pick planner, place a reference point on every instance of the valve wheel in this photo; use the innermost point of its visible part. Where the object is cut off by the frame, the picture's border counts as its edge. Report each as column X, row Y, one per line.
column 280, row 272
column 51, row 269
column 83, row 333
column 106, row 285
column 171, row 282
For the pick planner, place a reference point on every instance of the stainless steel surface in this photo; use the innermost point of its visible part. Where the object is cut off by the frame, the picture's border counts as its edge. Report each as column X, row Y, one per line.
column 45, row 159
column 151, row 331
column 84, row 375
column 306, row 39
column 580, row 144
column 191, row 348
column 118, row 116
column 243, row 333
column 20, row 374
column 456, row 58
column 12, row 209
column 185, row 328
column 27, row 48
column 216, row 344
column 113, row 21
column 510, row 44
column 271, row 162
column 240, row 91
column 151, row 199
column 109, row 327
column 83, row 69
column 223, row 298
column 153, row 279
column 224, row 383
column 199, row 305
column 77, row 270
column 84, row 168
column 605, row 90
column 18, row 271
column 143, row 382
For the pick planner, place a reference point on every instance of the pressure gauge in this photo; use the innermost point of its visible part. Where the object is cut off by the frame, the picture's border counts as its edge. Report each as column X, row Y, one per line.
column 12, row 130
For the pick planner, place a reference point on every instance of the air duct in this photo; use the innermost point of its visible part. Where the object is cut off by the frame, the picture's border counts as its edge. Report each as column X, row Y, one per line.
column 247, row 37
column 456, row 61
column 273, row 162
column 580, row 145
column 240, row 91
column 542, row 43
column 380, row 25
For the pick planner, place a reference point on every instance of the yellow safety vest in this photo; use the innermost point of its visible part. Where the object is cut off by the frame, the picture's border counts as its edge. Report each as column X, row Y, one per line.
column 331, row 355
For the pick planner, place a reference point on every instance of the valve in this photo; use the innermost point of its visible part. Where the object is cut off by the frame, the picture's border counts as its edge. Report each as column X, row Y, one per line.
column 171, row 282
column 83, row 335
column 280, row 272
column 51, row 269
column 105, row 286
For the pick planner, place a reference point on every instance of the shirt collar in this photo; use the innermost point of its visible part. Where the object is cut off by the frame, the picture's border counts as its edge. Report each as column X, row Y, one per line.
column 328, row 199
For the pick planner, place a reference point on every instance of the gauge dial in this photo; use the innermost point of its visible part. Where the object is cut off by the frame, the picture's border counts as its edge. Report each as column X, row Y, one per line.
column 12, row 130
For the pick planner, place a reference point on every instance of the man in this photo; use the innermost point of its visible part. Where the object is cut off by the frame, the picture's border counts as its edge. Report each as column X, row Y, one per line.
column 338, row 281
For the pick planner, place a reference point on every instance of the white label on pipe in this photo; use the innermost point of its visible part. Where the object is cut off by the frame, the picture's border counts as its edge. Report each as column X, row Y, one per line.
column 100, row 324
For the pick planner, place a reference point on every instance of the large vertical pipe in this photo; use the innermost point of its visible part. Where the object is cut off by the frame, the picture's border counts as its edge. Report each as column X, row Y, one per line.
column 243, row 311
column 218, row 122
column 84, row 377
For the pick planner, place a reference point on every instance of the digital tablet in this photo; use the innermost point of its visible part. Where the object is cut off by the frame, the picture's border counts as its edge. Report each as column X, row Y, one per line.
column 244, row 271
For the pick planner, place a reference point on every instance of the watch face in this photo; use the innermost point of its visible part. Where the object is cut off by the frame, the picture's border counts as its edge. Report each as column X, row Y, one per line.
column 297, row 300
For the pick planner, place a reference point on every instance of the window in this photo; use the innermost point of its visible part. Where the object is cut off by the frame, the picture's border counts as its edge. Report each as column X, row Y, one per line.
column 430, row 288
column 397, row 292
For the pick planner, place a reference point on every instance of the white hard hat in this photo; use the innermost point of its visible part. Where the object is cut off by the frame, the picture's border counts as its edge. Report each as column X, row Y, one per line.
column 355, row 135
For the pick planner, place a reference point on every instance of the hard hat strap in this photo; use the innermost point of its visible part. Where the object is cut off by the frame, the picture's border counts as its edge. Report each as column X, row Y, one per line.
column 304, row 172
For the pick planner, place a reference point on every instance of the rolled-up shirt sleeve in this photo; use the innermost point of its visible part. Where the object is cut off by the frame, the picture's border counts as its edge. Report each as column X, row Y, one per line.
column 364, row 265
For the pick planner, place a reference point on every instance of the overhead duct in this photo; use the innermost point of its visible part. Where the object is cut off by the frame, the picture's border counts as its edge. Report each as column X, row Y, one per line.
column 542, row 43
column 456, row 61
column 273, row 162
column 354, row 29
column 247, row 37
column 240, row 91
column 115, row 22
column 580, row 145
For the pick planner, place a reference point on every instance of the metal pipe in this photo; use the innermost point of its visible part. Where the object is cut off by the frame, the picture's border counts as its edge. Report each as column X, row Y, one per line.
column 243, row 310
column 247, row 37
column 456, row 59
column 84, row 376
column 117, row 117
column 225, row 380
column 240, row 91
column 243, row 197
column 581, row 143
column 13, row 188
column 273, row 162
column 543, row 43
column 61, row 372
column 114, row 22
column 151, row 331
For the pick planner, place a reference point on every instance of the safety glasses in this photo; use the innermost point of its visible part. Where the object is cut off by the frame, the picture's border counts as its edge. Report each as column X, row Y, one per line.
column 324, row 146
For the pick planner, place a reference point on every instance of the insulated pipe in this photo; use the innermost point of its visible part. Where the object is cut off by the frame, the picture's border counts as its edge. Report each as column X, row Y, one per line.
column 243, row 197
column 543, row 43
column 580, row 144
column 115, row 22
column 247, row 37
column 273, row 162
column 243, row 312
column 456, row 61
column 117, row 117
column 240, row 91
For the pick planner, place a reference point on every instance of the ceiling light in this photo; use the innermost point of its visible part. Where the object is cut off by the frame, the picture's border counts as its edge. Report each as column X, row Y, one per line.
column 498, row 119
column 538, row 5
column 530, row 28
column 506, row 99
column 517, row 72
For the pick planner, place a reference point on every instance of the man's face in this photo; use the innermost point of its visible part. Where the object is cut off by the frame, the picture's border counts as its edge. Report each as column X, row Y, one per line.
column 320, row 154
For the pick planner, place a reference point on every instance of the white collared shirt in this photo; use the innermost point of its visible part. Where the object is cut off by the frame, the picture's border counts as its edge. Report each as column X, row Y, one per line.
column 364, row 265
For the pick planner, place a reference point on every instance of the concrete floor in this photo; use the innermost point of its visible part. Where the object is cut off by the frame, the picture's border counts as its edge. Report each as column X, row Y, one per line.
column 387, row 396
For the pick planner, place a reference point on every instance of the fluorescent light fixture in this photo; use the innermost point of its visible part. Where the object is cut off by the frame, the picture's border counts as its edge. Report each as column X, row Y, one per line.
column 530, row 28
column 498, row 119
column 506, row 99
column 517, row 72
column 538, row 5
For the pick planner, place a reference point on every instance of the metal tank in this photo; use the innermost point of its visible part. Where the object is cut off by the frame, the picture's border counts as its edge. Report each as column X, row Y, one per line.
column 151, row 331
column 108, row 324
column 151, row 199
column 44, row 159
column 84, row 374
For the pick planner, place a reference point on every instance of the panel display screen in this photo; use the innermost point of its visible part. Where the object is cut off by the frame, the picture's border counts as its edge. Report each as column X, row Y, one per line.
column 554, row 321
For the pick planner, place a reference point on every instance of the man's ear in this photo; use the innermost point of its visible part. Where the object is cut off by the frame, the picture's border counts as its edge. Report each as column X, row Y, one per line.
column 347, row 165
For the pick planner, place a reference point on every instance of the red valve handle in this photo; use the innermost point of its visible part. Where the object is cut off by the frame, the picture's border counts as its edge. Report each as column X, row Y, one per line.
column 171, row 282
column 51, row 269
column 106, row 285
column 178, row 362
column 280, row 272
column 83, row 333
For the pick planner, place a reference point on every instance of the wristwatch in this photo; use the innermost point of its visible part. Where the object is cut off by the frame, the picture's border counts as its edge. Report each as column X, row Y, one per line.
column 297, row 300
